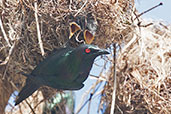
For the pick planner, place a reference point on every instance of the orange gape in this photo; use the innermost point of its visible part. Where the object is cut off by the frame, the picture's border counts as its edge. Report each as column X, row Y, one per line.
column 74, row 27
column 88, row 36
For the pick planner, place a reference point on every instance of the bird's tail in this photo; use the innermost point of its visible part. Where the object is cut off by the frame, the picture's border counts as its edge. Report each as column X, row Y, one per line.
column 27, row 90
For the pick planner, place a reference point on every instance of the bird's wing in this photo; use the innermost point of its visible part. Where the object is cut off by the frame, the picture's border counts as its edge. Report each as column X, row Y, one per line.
column 27, row 90
column 50, row 64
column 59, row 84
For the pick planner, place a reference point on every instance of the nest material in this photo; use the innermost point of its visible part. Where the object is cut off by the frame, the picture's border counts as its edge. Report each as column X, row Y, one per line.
column 143, row 73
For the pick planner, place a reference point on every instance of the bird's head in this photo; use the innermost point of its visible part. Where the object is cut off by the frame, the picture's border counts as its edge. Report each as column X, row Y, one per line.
column 90, row 51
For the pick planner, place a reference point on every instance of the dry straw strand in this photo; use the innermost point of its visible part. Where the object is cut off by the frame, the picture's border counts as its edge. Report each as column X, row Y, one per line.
column 38, row 29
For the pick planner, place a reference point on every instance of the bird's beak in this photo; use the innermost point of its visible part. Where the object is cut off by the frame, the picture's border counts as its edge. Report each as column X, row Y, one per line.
column 103, row 51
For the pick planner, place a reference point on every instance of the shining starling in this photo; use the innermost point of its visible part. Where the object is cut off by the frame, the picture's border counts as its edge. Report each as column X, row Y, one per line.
column 65, row 69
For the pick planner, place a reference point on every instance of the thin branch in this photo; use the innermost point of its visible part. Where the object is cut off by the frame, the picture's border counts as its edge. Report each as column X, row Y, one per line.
column 101, row 78
column 119, row 109
column 83, row 97
column 95, row 89
column 4, row 34
column 38, row 30
column 89, row 104
column 114, row 83
column 32, row 110
column 7, row 60
column 81, row 8
column 89, row 100
column 91, row 95
column 9, row 54
column 82, row 107
column 148, row 10
column 134, row 39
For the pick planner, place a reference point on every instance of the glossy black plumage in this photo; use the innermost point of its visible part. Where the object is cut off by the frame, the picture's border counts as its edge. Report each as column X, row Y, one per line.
column 65, row 69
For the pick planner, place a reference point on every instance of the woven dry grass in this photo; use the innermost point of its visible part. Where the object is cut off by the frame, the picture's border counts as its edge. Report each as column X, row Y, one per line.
column 143, row 77
column 143, row 64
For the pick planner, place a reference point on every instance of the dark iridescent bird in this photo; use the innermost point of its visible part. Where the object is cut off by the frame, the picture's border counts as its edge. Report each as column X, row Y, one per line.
column 65, row 69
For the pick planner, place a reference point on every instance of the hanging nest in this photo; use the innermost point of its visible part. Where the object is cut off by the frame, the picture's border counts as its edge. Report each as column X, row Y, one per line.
column 143, row 72
column 143, row 64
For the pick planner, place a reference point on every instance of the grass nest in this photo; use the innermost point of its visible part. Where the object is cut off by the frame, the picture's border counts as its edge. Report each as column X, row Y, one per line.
column 143, row 72
column 32, row 30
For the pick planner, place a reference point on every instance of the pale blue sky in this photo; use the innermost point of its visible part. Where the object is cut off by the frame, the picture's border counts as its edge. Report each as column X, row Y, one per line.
column 160, row 13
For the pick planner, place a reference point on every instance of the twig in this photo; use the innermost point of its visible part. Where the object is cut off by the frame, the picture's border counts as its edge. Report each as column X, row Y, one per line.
column 43, row 100
column 95, row 89
column 6, row 60
column 30, row 107
column 82, row 106
column 9, row 54
column 3, row 32
column 81, row 8
column 129, row 43
column 97, row 78
column 89, row 100
column 70, row 4
column 148, row 10
column 38, row 30
column 114, row 83
column 91, row 95
column 83, row 97
column 119, row 109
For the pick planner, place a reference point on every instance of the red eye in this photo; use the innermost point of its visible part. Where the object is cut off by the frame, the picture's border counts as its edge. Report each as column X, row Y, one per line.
column 87, row 50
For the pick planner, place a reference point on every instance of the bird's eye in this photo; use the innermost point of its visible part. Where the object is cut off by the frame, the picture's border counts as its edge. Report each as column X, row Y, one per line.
column 87, row 50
